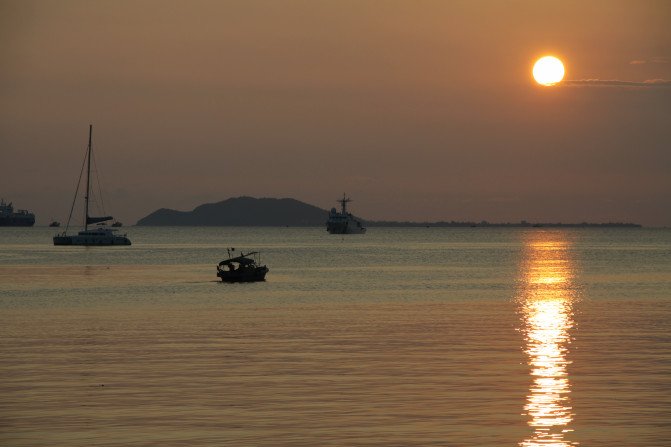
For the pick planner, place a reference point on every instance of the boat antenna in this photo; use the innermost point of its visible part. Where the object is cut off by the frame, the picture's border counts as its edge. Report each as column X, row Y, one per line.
column 88, row 180
column 343, row 202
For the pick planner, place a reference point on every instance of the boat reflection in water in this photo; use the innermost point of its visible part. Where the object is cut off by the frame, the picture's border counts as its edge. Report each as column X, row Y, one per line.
column 546, row 300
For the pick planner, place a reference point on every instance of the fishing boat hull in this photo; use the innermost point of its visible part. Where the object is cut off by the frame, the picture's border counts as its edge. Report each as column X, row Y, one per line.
column 244, row 275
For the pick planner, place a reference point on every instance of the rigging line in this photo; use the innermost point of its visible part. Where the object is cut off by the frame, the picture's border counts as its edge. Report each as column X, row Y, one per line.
column 74, row 199
column 100, row 191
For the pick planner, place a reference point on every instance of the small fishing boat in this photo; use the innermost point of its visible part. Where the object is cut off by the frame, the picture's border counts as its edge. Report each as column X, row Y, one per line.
column 55, row 223
column 244, row 268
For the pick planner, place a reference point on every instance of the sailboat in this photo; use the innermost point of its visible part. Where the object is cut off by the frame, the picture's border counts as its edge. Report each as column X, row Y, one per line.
column 99, row 234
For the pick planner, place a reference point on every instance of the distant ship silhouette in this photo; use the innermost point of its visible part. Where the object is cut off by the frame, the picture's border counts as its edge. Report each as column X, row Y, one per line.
column 343, row 222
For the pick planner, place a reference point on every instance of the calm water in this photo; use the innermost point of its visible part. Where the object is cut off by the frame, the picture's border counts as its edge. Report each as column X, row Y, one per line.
column 400, row 337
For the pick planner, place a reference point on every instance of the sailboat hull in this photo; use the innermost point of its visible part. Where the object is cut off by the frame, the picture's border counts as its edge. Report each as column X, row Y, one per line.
column 91, row 238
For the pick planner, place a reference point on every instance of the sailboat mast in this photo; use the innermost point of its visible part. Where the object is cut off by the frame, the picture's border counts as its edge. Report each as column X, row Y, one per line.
column 88, row 180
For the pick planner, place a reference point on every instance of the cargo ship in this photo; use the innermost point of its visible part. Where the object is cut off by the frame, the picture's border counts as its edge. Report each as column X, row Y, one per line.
column 9, row 218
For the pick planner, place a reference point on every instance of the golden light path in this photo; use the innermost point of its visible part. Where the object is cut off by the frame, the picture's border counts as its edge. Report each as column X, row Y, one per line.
column 546, row 302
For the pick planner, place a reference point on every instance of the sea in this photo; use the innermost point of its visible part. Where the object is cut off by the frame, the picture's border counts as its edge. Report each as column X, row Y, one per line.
column 398, row 337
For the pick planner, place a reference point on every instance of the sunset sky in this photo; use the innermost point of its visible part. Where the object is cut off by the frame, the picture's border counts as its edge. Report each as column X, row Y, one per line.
column 420, row 110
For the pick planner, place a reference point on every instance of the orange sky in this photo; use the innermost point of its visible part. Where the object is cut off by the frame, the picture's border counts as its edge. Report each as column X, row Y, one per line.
column 420, row 110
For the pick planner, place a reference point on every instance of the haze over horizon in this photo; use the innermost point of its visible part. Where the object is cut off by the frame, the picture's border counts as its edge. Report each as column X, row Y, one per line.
column 421, row 111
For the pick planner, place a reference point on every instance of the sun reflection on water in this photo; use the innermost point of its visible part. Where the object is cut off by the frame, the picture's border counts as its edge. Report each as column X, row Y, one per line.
column 546, row 303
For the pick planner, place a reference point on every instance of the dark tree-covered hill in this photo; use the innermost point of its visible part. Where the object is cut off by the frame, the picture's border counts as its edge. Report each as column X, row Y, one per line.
column 242, row 211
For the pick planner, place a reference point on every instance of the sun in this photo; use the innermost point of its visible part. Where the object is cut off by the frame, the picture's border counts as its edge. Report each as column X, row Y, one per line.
column 548, row 70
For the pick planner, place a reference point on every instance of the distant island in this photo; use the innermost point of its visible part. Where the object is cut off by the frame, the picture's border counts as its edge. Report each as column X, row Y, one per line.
column 244, row 212
column 269, row 212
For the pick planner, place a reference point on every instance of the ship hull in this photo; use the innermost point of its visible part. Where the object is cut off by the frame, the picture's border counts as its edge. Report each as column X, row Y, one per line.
column 17, row 222
column 344, row 228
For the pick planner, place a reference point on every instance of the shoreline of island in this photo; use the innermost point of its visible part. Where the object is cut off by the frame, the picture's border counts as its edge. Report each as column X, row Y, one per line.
column 287, row 212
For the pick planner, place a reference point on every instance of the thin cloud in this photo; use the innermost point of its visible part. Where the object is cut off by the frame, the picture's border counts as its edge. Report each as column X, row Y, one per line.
column 618, row 83
column 654, row 60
